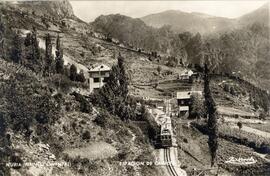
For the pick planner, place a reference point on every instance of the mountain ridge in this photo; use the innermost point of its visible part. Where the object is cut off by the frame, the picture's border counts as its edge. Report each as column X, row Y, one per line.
column 205, row 23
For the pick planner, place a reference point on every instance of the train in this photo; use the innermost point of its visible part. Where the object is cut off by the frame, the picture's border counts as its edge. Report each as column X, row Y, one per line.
column 164, row 138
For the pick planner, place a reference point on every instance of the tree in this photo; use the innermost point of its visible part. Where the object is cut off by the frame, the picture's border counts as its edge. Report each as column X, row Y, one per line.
column 16, row 51
column 113, row 95
column 35, row 45
column 212, row 119
column 159, row 69
column 197, row 108
column 73, row 72
column 48, row 55
column 59, row 65
column 240, row 125
column 210, row 61
column 194, row 50
column 2, row 36
column 123, row 78
column 172, row 61
column 81, row 77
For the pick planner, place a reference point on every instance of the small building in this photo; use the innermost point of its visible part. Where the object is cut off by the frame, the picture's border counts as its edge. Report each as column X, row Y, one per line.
column 184, row 102
column 98, row 76
column 186, row 75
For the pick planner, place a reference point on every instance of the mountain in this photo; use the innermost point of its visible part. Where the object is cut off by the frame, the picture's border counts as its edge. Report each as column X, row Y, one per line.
column 192, row 22
column 61, row 8
column 133, row 32
column 203, row 23
column 260, row 15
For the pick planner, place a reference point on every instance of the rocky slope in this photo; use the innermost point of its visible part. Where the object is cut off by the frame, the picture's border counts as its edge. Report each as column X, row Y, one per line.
column 58, row 9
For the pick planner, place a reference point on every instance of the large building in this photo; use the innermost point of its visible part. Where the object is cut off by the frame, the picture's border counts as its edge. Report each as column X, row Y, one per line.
column 184, row 102
column 98, row 76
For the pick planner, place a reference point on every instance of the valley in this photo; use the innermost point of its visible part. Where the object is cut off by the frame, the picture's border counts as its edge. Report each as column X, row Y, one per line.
column 52, row 123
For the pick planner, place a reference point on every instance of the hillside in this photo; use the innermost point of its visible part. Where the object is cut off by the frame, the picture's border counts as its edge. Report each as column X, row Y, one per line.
column 133, row 32
column 192, row 22
column 203, row 23
column 260, row 15
column 47, row 117
column 51, row 124
column 57, row 9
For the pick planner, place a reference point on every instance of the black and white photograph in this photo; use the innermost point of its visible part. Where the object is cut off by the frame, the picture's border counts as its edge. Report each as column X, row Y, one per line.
column 134, row 88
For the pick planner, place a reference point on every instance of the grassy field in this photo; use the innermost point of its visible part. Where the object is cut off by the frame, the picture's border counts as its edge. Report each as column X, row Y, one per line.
column 262, row 127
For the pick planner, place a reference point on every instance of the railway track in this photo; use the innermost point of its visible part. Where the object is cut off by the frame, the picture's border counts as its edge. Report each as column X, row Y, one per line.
column 168, row 161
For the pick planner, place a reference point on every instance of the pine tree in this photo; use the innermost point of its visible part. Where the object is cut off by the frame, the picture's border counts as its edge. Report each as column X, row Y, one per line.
column 59, row 65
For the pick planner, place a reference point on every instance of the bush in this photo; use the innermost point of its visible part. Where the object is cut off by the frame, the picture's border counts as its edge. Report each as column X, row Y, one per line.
column 226, row 88
column 42, row 118
column 240, row 125
column 86, row 135
column 101, row 119
column 232, row 91
column 85, row 106
column 262, row 116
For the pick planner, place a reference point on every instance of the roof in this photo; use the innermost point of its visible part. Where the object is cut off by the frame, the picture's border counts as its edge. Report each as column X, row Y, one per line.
column 187, row 73
column 101, row 67
column 183, row 108
column 183, row 95
column 187, row 94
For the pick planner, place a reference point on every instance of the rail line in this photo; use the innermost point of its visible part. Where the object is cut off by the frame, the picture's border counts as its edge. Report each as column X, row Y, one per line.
column 168, row 161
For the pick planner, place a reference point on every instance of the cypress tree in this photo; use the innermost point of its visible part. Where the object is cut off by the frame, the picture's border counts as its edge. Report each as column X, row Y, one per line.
column 73, row 73
column 113, row 95
column 212, row 116
column 35, row 45
column 48, row 55
column 16, row 50
column 2, row 36
column 123, row 78
column 59, row 65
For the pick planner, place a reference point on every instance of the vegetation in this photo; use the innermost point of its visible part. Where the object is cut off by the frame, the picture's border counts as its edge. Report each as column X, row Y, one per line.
column 113, row 95
column 210, row 62
column 49, row 68
column 59, row 57
column 197, row 107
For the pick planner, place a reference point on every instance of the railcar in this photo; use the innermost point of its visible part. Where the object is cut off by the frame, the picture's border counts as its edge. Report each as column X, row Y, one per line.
column 165, row 138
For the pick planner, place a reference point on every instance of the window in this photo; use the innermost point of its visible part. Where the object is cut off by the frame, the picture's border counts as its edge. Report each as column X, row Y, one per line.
column 96, row 80
column 105, row 79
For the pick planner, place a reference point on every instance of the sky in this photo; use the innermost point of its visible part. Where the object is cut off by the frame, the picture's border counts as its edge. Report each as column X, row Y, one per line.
column 89, row 10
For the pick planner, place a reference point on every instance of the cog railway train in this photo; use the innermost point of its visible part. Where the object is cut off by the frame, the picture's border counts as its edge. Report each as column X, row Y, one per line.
column 164, row 138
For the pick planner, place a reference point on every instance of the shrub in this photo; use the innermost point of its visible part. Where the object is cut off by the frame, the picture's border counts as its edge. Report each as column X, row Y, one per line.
column 101, row 119
column 85, row 106
column 226, row 88
column 240, row 125
column 232, row 91
column 86, row 135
